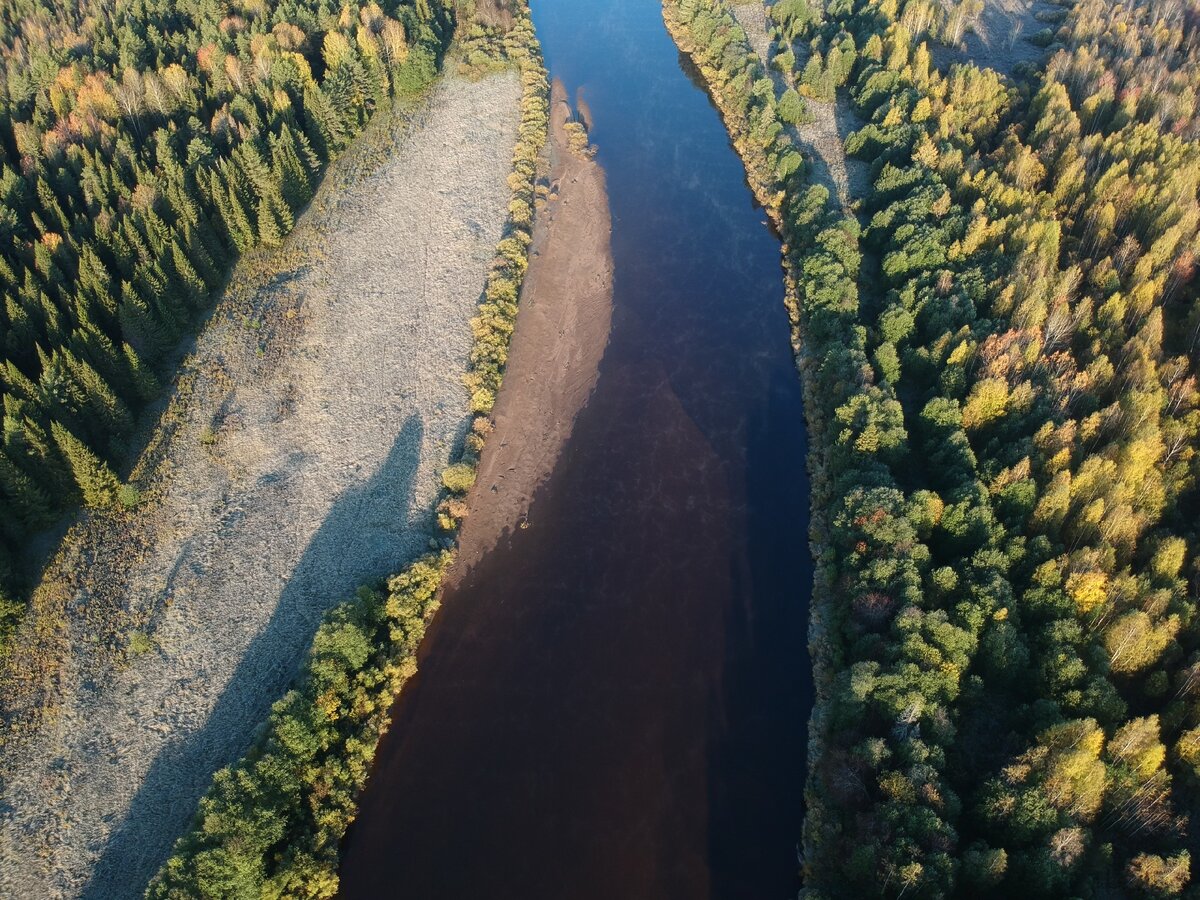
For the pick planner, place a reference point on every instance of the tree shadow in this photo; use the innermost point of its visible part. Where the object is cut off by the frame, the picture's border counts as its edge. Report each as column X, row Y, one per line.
column 859, row 176
column 818, row 167
column 183, row 770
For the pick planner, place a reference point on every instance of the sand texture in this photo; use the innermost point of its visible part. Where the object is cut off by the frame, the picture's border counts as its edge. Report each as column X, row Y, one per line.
column 562, row 330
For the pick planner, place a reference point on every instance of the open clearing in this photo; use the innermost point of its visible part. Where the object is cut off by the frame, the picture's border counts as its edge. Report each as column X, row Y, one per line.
column 999, row 37
column 299, row 459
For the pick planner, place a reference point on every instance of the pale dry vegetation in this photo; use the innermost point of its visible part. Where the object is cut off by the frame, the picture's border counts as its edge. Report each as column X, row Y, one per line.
column 299, row 459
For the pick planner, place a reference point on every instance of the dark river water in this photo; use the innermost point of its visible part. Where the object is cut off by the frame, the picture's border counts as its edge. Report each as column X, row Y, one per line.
column 613, row 703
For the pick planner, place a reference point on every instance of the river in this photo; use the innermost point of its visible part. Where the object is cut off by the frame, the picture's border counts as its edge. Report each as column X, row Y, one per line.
column 613, row 703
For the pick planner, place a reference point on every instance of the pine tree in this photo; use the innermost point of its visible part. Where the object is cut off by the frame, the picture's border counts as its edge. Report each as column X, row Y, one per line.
column 144, row 382
column 96, row 480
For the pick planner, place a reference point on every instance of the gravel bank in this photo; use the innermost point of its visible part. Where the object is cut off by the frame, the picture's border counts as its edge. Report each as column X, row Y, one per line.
column 302, row 460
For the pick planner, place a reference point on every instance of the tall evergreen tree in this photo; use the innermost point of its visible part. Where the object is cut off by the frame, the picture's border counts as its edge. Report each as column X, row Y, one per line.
column 97, row 482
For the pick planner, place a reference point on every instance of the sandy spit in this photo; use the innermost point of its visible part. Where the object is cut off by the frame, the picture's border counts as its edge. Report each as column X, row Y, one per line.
column 304, row 463
column 561, row 332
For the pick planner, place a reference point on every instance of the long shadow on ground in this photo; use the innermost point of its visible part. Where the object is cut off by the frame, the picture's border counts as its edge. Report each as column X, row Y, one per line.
column 182, row 772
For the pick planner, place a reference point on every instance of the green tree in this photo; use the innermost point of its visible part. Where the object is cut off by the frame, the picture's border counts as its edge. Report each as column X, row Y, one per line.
column 96, row 481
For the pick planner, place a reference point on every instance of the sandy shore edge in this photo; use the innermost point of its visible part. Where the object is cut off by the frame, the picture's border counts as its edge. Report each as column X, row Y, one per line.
column 561, row 334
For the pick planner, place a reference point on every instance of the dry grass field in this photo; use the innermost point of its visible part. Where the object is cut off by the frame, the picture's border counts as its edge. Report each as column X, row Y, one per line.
column 297, row 459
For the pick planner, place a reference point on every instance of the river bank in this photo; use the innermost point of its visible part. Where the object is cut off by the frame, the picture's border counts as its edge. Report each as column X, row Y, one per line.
column 301, row 459
column 610, row 702
column 274, row 821
column 561, row 331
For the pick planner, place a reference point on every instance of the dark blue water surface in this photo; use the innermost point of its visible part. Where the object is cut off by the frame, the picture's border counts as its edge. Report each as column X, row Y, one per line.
column 613, row 702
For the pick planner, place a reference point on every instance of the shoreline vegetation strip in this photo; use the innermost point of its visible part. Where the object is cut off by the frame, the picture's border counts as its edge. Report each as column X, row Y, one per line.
column 1000, row 381
column 272, row 823
column 821, row 262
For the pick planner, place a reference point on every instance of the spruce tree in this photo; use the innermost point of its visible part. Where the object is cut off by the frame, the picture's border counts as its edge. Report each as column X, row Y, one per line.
column 17, row 382
column 10, row 607
column 200, row 243
column 322, row 124
column 41, row 458
column 94, row 346
column 237, row 221
column 144, row 382
column 108, row 413
column 187, row 278
column 22, row 332
column 270, row 232
column 30, row 506
column 53, row 321
column 137, row 323
column 296, row 187
column 97, row 482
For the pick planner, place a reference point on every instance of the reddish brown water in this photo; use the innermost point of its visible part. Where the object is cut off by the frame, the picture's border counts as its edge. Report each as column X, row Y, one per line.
column 613, row 703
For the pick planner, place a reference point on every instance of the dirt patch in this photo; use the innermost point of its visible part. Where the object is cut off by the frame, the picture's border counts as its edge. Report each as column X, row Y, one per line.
column 298, row 459
column 494, row 13
column 562, row 330
column 752, row 16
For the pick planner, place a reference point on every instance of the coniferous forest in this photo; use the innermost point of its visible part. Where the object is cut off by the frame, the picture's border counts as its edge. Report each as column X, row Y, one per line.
column 997, row 333
column 145, row 146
